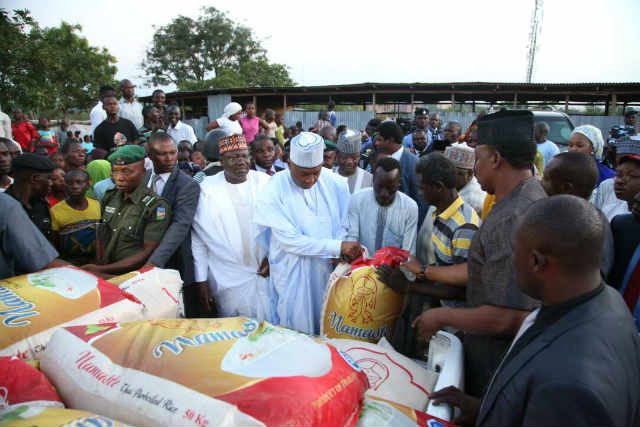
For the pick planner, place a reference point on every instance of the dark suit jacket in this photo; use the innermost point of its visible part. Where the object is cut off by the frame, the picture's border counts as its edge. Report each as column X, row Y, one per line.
column 174, row 251
column 583, row 370
column 409, row 184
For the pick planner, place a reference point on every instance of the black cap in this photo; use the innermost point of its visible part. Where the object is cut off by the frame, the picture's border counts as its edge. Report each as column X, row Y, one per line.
column 506, row 127
column 511, row 133
column 33, row 161
column 630, row 112
column 422, row 112
column 211, row 148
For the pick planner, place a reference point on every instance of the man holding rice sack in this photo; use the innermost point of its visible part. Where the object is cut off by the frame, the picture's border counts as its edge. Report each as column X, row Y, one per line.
column 359, row 305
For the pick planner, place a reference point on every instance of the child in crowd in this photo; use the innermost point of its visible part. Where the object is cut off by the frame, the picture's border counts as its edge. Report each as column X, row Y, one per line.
column 56, row 193
column 271, row 125
column 47, row 137
column 58, row 159
column 280, row 129
column 74, row 220
column 250, row 123
column 198, row 158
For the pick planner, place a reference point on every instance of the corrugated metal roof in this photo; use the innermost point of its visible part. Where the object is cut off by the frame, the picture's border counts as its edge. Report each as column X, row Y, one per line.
column 372, row 86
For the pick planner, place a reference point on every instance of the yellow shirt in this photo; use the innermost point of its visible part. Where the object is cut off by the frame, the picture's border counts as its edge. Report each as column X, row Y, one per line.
column 63, row 215
column 280, row 134
column 489, row 201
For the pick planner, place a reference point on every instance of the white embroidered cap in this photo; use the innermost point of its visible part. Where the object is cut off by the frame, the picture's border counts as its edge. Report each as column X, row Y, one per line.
column 307, row 150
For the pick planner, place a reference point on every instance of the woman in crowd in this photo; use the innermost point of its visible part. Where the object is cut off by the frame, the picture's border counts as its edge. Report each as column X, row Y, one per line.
column 588, row 139
column 229, row 122
column 98, row 170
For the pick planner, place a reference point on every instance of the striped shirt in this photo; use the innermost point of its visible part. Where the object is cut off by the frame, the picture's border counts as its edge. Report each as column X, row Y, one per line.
column 453, row 230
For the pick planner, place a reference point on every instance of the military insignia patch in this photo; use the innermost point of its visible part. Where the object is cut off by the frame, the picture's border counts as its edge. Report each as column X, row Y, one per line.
column 161, row 213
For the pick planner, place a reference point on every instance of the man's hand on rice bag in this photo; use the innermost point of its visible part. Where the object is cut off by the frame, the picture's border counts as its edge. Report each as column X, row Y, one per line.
column 430, row 322
column 204, row 295
column 469, row 405
column 350, row 250
column 393, row 278
column 91, row 268
column 96, row 270
column 263, row 270
column 414, row 266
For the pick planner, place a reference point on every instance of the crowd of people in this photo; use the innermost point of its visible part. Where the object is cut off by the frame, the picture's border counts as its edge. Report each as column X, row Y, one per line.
column 520, row 249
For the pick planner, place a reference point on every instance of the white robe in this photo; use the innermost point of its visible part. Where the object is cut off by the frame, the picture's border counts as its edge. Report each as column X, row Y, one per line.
column 473, row 194
column 304, row 230
column 359, row 180
column 225, row 250
column 604, row 198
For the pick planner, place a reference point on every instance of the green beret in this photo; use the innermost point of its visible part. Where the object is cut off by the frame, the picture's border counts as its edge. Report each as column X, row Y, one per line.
column 126, row 155
column 330, row 145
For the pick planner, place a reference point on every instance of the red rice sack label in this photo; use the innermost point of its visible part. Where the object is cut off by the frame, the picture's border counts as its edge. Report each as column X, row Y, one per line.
column 21, row 383
column 378, row 412
column 157, row 289
column 33, row 305
column 358, row 305
column 391, row 375
column 40, row 416
column 204, row 372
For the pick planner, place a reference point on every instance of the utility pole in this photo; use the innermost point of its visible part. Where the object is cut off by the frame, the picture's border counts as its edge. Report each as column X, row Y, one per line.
column 534, row 34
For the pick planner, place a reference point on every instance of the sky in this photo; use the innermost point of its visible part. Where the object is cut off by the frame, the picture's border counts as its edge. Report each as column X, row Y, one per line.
column 342, row 42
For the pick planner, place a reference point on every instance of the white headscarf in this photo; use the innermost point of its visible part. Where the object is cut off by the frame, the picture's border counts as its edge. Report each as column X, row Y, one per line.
column 231, row 108
column 594, row 135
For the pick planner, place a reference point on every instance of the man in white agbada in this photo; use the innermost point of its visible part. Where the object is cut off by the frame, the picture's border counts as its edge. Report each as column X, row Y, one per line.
column 383, row 216
column 228, row 262
column 301, row 212
column 348, row 157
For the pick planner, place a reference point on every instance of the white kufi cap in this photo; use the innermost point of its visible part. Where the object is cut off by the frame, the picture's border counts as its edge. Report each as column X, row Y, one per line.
column 307, row 150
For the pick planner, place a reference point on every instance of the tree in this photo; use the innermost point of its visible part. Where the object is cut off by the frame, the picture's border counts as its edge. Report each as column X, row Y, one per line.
column 210, row 51
column 50, row 69
column 258, row 73
column 17, row 70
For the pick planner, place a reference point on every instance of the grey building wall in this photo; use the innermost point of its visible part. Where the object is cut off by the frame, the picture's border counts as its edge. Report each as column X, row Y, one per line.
column 216, row 104
column 359, row 119
column 199, row 126
column 353, row 119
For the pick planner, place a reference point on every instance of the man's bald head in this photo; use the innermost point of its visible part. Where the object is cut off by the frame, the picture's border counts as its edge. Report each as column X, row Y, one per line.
column 570, row 173
column 559, row 234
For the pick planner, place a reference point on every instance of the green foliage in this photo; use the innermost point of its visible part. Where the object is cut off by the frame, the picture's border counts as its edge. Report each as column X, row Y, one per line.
column 210, row 52
column 251, row 73
column 49, row 70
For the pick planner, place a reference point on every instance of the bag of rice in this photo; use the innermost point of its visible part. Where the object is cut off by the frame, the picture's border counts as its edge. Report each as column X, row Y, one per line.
column 204, row 372
column 357, row 304
column 21, row 383
column 157, row 289
column 383, row 413
column 391, row 375
column 41, row 416
column 33, row 305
